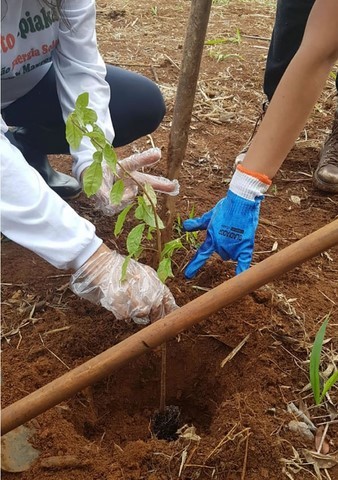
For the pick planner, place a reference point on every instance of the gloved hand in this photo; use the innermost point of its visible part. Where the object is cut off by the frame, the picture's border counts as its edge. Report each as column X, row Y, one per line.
column 141, row 297
column 132, row 165
column 231, row 224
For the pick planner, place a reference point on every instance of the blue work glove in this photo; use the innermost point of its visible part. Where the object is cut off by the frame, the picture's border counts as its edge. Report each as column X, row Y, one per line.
column 231, row 225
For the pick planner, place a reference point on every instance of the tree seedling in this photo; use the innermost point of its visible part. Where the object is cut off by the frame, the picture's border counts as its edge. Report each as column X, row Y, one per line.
column 82, row 122
column 320, row 389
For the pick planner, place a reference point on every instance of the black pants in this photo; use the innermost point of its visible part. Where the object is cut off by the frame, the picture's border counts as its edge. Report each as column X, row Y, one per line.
column 136, row 107
column 290, row 22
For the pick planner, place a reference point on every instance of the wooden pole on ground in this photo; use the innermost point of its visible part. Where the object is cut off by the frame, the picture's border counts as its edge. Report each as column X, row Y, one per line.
column 168, row 327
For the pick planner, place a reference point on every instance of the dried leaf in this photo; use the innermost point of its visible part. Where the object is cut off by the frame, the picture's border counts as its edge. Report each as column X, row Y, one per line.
column 274, row 247
column 325, row 447
column 188, row 433
column 321, row 460
column 183, row 460
column 326, row 254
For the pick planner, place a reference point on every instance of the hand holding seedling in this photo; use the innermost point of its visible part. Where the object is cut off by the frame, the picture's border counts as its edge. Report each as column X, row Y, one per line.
column 231, row 224
column 141, row 297
column 119, row 283
column 128, row 170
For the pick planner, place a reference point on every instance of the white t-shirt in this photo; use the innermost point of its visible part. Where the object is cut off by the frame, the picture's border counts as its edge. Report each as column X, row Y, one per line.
column 29, row 35
column 31, row 38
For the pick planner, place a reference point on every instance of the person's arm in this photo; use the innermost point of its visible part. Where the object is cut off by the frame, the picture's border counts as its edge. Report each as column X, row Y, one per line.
column 297, row 91
column 36, row 218
column 231, row 225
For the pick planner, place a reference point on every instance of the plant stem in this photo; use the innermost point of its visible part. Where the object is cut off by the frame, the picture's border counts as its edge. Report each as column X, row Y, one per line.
column 159, row 249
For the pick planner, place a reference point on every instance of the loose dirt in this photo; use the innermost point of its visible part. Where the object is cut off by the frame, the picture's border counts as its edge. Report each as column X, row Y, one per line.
column 234, row 419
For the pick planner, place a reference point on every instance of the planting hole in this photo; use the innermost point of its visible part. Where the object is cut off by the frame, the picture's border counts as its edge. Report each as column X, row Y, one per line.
column 125, row 406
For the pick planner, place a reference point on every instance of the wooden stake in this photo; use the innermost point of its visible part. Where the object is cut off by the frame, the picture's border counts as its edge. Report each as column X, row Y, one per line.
column 185, row 96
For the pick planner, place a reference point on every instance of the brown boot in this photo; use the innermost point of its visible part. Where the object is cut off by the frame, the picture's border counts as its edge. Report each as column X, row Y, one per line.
column 325, row 177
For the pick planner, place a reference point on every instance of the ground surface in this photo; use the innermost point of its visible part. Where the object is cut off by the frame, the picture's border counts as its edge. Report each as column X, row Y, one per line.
column 240, row 412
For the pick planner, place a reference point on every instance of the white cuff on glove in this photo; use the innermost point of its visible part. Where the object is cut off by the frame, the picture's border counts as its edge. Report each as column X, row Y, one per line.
column 248, row 184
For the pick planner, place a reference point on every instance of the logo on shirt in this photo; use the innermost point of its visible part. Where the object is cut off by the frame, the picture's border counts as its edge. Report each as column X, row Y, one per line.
column 29, row 24
column 19, row 57
column 36, row 23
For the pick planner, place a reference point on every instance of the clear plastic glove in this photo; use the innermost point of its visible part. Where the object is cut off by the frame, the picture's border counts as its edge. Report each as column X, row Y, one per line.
column 132, row 164
column 231, row 225
column 141, row 297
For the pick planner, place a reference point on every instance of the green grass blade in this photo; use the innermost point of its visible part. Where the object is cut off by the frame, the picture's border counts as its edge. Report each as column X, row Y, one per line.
column 315, row 361
column 328, row 385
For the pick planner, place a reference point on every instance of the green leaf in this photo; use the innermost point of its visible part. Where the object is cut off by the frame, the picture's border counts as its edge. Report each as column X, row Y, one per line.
column 89, row 116
column 121, row 219
column 124, row 268
column 150, row 232
column 92, row 177
column 82, row 101
column 110, row 157
column 215, row 41
column 97, row 156
column 116, row 193
column 164, row 269
column 192, row 212
column 151, row 194
column 74, row 134
column 160, row 223
column 134, row 239
column 145, row 213
column 328, row 385
column 170, row 247
column 97, row 137
column 315, row 361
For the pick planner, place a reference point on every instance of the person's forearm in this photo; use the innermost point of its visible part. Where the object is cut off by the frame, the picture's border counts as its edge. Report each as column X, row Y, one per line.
column 296, row 94
column 286, row 116
column 35, row 217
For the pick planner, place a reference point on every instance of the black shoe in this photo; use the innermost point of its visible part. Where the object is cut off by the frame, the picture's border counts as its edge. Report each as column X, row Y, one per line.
column 65, row 186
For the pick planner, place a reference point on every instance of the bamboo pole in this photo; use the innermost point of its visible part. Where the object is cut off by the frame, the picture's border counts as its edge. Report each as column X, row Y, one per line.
column 168, row 327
